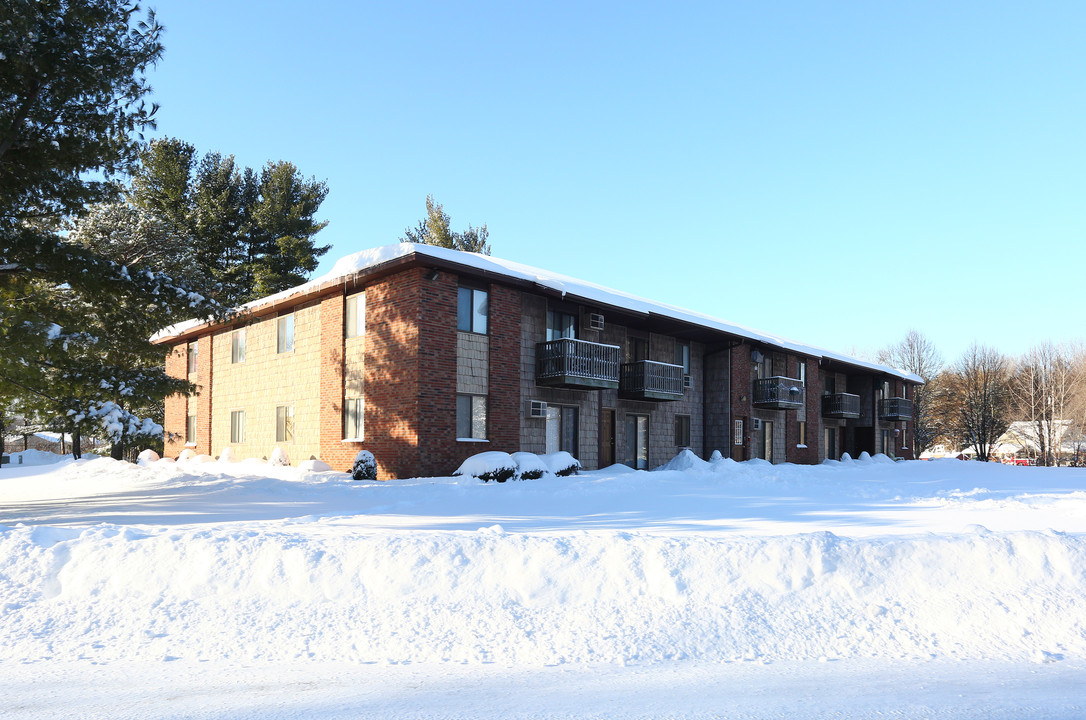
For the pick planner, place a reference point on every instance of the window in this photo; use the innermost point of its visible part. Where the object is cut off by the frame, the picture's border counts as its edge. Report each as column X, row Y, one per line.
column 682, row 431
column 353, row 419
column 637, row 441
column 355, row 324
column 284, row 424
column 190, row 430
column 237, row 426
column 737, row 432
column 471, row 417
column 802, row 371
column 831, row 443
column 802, row 432
column 237, row 346
column 285, row 331
column 682, row 356
column 563, row 424
column 829, row 384
column 561, row 325
column 886, row 389
column 472, row 309
column 887, row 443
column 193, row 351
column 637, row 349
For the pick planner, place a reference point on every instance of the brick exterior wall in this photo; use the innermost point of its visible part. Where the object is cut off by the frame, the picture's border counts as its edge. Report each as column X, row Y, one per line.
column 176, row 406
column 391, row 376
column 411, row 362
column 333, row 450
column 204, row 383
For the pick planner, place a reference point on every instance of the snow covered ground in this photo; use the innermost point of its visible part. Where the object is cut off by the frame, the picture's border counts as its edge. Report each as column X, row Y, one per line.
column 860, row 589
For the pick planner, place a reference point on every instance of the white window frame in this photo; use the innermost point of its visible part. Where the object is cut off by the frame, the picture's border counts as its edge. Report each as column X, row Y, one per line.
column 478, row 306
column 237, row 427
column 354, row 419
column 284, row 343
column 237, row 346
column 284, row 424
column 354, row 316
column 192, row 359
column 190, row 429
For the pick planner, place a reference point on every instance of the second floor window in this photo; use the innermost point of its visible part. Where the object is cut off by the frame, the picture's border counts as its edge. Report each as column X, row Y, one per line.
column 237, row 346
column 561, row 325
column 829, row 384
column 472, row 309
column 193, row 350
column 285, row 333
column 682, row 356
column 355, row 321
column 284, row 423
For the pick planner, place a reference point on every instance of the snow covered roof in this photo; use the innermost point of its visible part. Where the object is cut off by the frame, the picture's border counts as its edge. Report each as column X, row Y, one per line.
column 366, row 261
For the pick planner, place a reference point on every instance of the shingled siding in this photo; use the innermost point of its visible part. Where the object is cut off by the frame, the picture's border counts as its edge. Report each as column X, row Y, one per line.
column 265, row 380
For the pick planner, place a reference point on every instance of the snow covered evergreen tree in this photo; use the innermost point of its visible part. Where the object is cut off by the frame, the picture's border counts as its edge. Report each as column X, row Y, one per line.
column 436, row 230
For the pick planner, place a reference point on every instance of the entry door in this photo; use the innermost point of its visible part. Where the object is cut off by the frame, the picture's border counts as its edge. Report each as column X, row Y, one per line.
column 767, row 440
column 637, row 441
column 831, row 443
column 607, row 438
column 554, row 428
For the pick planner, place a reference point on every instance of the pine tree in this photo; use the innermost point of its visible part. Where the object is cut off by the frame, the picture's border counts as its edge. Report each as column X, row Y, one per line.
column 436, row 230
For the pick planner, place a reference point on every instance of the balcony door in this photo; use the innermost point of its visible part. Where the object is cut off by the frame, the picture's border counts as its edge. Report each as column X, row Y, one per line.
column 562, row 429
column 637, row 441
column 561, row 325
column 767, row 440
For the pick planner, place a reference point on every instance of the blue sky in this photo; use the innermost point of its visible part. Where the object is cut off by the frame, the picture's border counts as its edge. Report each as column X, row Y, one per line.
column 837, row 173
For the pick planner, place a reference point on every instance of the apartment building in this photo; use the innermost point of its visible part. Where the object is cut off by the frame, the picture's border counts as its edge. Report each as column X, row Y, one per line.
column 425, row 356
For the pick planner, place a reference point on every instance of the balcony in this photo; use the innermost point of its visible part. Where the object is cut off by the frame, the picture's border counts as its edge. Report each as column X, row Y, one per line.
column 894, row 409
column 649, row 380
column 841, row 405
column 779, row 393
column 576, row 364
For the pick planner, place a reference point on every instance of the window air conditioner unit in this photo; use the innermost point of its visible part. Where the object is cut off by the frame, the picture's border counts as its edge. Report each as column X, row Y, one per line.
column 755, row 424
column 595, row 321
column 537, row 409
column 688, row 382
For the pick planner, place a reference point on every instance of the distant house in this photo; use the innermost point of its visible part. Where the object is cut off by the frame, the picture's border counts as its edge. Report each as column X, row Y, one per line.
column 1021, row 441
column 425, row 356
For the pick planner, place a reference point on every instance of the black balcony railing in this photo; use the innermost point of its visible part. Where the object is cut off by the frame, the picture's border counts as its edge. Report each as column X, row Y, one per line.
column 650, row 380
column 894, row 409
column 577, row 364
column 841, row 405
column 778, row 392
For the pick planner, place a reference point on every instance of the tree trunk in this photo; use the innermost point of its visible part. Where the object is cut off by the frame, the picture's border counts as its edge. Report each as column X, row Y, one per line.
column 77, row 450
column 1, row 442
column 116, row 450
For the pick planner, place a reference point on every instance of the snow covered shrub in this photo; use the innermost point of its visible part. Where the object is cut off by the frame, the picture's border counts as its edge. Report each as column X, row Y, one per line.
column 716, row 457
column 561, row 463
column 529, row 466
column 186, row 454
column 487, row 466
column 314, row 465
column 365, row 466
column 279, row 457
column 146, row 457
column 685, row 461
column 228, row 456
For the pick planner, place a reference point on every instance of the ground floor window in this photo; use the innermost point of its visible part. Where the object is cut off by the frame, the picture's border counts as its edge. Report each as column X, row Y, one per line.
column 471, row 417
column 766, row 440
column 637, row 441
column 563, row 427
column 237, row 426
column 682, row 431
column 284, row 424
column 802, row 426
column 888, row 442
column 190, row 430
column 831, row 443
column 353, row 417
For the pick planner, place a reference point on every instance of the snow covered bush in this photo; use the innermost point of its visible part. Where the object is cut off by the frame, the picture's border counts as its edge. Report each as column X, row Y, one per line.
column 146, row 457
column 529, row 466
column 486, row 466
column 314, row 465
column 561, row 463
column 279, row 457
column 228, row 456
column 186, row 455
column 685, row 461
column 365, row 466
